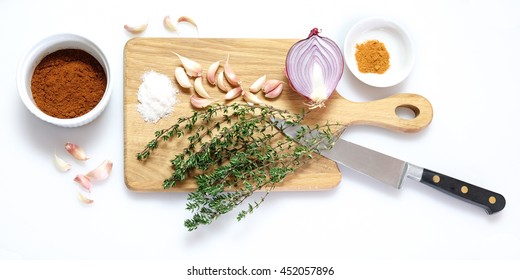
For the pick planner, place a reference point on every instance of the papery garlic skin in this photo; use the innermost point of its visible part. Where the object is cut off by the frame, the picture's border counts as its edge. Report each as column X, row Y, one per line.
column 188, row 20
column 168, row 24
column 221, row 83
column 200, row 103
column 211, row 75
column 101, row 172
column 270, row 85
column 136, row 29
column 251, row 98
column 192, row 68
column 234, row 93
column 258, row 84
column 76, row 151
column 85, row 199
column 230, row 75
column 182, row 78
column 199, row 88
column 62, row 165
column 84, row 181
column 275, row 92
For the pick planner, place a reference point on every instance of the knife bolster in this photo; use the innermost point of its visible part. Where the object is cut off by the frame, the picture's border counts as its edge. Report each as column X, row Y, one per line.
column 414, row 172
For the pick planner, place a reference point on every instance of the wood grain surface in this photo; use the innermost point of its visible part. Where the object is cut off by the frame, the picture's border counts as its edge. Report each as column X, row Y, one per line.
column 250, row 59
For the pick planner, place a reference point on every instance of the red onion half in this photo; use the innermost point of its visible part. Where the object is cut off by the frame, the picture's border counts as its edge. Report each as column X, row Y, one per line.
column 314, row 67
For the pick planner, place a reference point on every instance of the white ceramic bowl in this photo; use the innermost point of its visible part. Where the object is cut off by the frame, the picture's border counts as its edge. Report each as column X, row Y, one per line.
column 45, row 47
column 397, row 42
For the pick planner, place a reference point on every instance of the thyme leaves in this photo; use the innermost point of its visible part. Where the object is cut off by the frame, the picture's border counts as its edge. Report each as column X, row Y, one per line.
column 233, row 151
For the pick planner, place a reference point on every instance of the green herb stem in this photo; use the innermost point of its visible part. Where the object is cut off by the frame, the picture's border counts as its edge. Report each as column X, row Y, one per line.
column 233, row 151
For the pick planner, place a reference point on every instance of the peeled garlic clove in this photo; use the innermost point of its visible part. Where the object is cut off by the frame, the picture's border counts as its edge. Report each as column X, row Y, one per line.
column 168, row 24
column 101, row 172
column 76, row 151
column 275, row 92
column 258, row 84
column 234, row 93
column 188, row 20
column 200, row 103
column 199, row 88
column 182, row 78
column 192, row 68
column 221, row 84
column 212, row 72
column 61, row 164
column 271, row 85
column 136, row 29
column 251, row 98
column 231, row 77
column 84, row 181
column 85, row 199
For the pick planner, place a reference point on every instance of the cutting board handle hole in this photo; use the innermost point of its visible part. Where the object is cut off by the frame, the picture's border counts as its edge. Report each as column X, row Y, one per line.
column 407, row 112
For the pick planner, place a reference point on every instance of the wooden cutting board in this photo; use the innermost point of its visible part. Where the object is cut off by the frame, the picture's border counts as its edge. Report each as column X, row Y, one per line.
column 250, row 59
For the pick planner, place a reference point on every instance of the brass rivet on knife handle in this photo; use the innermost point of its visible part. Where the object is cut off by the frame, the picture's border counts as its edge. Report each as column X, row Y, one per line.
column 490, row 201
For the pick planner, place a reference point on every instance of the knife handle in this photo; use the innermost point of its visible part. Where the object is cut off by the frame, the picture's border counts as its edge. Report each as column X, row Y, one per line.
column 492, row 202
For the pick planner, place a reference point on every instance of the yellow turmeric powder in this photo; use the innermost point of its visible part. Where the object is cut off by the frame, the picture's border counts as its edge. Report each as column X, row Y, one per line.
column 372, row 57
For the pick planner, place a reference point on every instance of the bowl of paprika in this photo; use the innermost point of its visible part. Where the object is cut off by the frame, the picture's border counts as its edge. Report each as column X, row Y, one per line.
column 65, row 80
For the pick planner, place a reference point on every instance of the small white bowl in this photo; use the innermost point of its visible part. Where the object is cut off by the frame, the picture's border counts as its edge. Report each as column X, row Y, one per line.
column 45, row 47
column 397, row 42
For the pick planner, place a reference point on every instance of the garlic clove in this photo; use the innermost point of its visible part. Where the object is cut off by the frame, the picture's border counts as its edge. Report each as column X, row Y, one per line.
column 84, row 181
column 101, row 172
column 275, row 92
column 258, row 84
column 188, row 20
column 85, row 199
column 230, row 75
column 251, row 98
column 192, row 68
column 212, row 72
column 76, row 151
column 271, row 85
column 199, row 88
column 200, row 103
column 182, row 78
column 136, row 29
column 234, row 93
column 61, row 164
column 221, row 84
column 168, row 24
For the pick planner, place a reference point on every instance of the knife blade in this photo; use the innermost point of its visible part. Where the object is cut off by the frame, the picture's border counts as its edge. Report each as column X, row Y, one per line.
column 393, row 171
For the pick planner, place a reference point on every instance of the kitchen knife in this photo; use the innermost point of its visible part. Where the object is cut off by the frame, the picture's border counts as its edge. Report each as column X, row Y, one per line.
column 393, row 171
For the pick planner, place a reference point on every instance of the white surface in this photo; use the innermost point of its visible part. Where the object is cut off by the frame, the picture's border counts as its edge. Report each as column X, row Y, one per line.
column 397, row 42
column 466, row 65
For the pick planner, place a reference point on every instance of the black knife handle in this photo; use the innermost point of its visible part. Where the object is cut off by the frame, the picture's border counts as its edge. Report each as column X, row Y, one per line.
column 492, row 202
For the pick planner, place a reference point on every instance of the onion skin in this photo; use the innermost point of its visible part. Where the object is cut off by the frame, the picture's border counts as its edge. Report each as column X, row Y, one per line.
column 314, row 67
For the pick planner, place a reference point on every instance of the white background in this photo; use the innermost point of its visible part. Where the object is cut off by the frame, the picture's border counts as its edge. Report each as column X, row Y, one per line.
column 467, row 65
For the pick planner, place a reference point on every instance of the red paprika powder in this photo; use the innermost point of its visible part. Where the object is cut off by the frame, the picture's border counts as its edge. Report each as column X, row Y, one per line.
column 68, row 83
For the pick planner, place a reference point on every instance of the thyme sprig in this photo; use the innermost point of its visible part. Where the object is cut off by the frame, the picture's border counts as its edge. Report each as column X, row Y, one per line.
column 234, row 150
